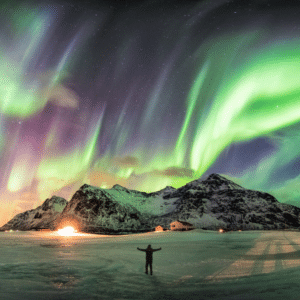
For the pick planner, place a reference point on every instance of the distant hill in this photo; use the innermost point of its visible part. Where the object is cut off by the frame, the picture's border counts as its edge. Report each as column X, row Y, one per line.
column 209, row 204
column 43, row 217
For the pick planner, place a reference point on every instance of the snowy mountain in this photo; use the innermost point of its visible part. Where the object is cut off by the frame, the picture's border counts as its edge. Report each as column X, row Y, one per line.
column 93, row 209
column 118, row 209
column 218, row 202
column 209, row 204
column 42, row 217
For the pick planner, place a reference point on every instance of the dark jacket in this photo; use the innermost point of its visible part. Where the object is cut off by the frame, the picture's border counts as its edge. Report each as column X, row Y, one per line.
column 149, row 253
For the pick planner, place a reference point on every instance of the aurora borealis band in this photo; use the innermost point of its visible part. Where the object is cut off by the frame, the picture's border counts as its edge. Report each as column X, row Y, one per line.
column 147, row 94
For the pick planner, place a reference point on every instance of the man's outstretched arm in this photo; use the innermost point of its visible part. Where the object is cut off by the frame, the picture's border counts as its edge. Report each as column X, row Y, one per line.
column 157, row 249
column 141, row 249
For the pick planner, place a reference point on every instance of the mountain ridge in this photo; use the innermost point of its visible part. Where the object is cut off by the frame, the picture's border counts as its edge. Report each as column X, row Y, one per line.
column 213, row 203
column 42, row 217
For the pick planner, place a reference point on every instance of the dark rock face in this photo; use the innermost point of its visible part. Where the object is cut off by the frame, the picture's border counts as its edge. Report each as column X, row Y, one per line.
column 209, row 204
column 43, row 217
column 96, row 211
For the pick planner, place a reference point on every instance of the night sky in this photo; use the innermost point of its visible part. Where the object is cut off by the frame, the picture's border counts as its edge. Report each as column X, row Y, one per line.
column 147, row 94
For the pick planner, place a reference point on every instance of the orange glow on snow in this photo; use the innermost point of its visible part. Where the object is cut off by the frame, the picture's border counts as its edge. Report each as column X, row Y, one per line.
column 67, row 231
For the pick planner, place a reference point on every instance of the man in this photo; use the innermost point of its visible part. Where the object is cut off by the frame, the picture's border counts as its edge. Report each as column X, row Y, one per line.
column 149, row 257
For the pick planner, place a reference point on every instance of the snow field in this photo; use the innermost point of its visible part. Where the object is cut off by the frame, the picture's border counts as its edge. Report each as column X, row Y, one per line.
column 191, row 265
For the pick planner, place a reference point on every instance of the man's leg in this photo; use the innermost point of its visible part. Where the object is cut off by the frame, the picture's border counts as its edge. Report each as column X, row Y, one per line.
column 151, row 268
column 146, row 267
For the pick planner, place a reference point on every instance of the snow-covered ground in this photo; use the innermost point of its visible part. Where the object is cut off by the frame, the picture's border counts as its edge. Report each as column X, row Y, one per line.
column 191, row 265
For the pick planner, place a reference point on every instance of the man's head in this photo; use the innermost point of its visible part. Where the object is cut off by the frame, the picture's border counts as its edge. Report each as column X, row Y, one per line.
column 149, row 247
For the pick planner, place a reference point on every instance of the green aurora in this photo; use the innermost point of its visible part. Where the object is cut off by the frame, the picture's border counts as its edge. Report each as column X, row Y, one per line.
column 87, row 100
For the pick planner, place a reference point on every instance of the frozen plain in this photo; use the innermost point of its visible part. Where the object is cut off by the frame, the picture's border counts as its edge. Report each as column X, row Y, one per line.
column 191, row 265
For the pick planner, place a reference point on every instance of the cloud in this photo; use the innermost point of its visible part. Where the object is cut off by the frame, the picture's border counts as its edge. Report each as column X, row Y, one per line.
column 58, row 93
column 156, row 180
column 176, row 172
column 105, row 180
column 126, row 162
column 63, row 96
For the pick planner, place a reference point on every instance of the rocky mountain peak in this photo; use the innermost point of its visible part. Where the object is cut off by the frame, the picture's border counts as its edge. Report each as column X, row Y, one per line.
column 218, row 182
column 54, row 203
column 214, row 183
column 119, row 188
column 165, row 192
column 215, row 176
column 85, row 186
column 169, row 188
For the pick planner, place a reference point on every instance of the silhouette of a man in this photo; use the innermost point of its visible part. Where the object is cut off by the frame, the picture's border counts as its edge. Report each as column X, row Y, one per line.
column 149, row 257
